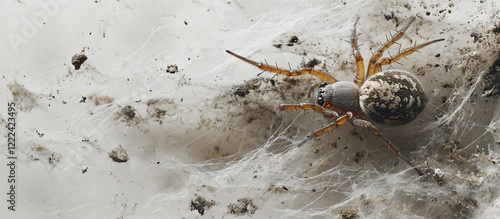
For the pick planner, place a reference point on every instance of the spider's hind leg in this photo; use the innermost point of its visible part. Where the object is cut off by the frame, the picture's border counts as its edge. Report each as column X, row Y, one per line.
column 376, row 132
column 338, row 122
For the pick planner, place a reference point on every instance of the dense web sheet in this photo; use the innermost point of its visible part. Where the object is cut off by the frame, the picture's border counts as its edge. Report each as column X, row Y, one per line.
column 160, row 122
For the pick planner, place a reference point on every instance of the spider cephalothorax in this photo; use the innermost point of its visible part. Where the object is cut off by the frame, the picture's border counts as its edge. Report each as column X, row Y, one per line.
column 393, row 97
column 343, row 95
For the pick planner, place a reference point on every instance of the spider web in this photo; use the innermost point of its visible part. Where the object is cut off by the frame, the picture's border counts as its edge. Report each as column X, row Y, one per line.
column 207, row 139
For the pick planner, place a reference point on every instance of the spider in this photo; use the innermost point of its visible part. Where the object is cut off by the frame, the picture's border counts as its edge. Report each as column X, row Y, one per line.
column 393, row 97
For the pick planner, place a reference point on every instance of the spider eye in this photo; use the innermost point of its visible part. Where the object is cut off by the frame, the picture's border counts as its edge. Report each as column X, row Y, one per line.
column 323, row 84
column 320, row 101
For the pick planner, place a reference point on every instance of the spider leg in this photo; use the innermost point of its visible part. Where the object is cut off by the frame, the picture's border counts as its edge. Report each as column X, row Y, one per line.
column 360, row 77
column 375, row 57
column 329, row 79
column 310, row 106
column 326, row 113
column 338, row 122
column 376, row 132
column 387, row 61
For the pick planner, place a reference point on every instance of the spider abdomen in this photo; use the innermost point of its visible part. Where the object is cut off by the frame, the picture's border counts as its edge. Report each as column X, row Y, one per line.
column 394, row 97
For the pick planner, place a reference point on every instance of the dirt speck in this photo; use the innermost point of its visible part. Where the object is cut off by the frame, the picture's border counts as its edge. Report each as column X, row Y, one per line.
column 312, row 63
column 496, row 29
column 241, row 91
column 172, row 69
column 349, row 214
column 39, row 148
column 128, row 111
column 438, row 176
column 78, row 59
column 201, row 204
column 477, row 37
column 41, row 153
column 128, row 115
column 360, row 156
column 389, row 16
column 118, row 154
column 100, row 100
column 83, row 99
column 160, row 109
column 243, row 206
column 293, row 40
column 276, row 189
column 54, row 158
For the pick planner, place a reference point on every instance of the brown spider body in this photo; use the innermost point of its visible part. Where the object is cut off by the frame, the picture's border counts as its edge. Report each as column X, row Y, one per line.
column 393, row 97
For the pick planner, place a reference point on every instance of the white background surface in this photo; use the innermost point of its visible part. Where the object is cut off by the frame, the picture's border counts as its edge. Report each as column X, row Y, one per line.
column 193, row 137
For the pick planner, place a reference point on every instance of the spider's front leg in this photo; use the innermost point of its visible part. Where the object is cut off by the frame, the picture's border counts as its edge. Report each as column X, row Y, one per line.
column 388, row 61
column 376, row 132
column 310, row 106
column 326, row 113
column 360, row 76
column 329, row 79
column 376, row 56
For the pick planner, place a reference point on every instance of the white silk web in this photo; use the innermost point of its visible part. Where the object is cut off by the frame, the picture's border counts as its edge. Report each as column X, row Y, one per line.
column 201, row 131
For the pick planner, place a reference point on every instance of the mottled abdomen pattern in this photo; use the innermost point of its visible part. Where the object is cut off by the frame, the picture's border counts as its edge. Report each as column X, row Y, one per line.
column 394, row 97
